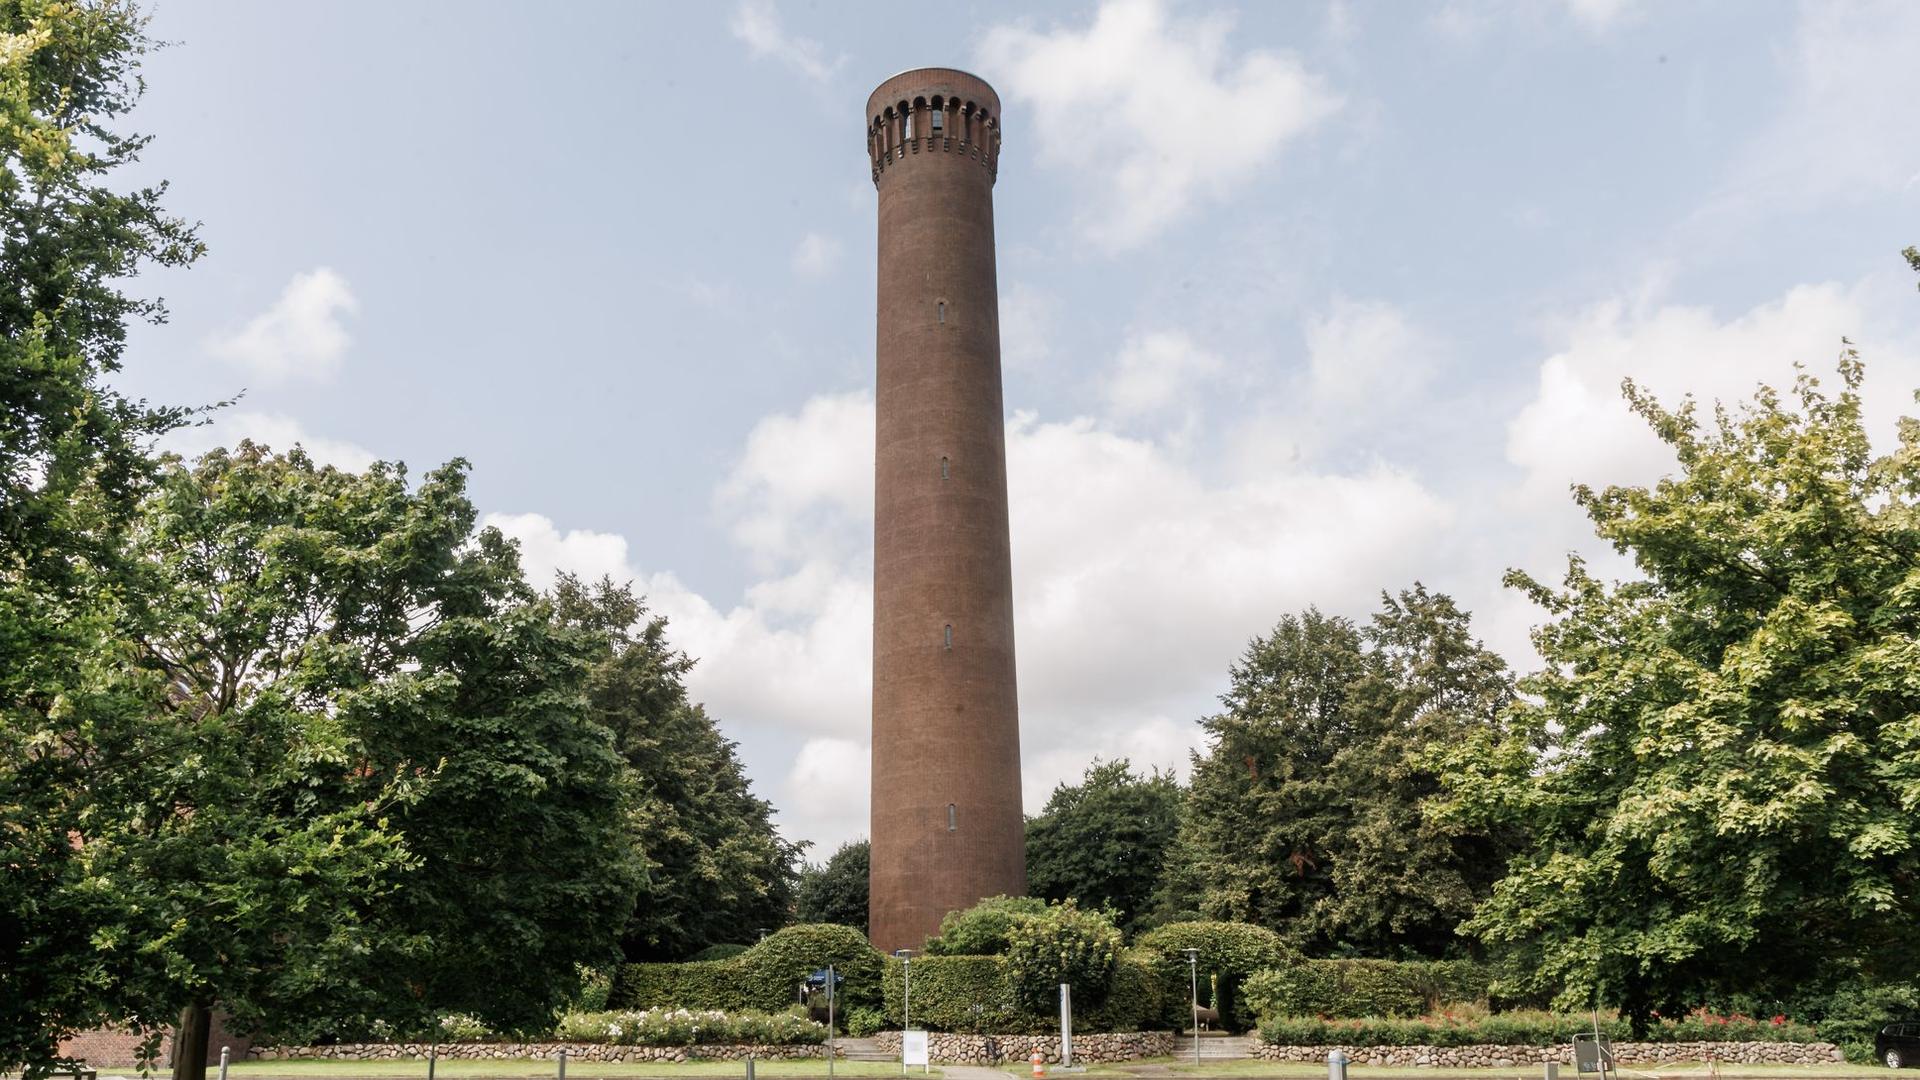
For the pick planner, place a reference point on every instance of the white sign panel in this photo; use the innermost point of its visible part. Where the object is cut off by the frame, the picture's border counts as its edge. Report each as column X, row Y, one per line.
column 913, row 1048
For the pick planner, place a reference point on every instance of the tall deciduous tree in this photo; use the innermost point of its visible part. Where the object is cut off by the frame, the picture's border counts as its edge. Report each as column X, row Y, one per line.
column 1305, row 813
column 717, row 869
column 1720, row 763
column 368, row 788
column 836, row 892
column 1104, row 841
column 71, row 465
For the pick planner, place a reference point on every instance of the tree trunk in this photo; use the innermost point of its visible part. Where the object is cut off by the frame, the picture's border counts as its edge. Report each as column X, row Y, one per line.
column 190, row 1042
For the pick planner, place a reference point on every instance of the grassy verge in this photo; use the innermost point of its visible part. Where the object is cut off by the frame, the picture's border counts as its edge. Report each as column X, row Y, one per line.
column 543, row 1070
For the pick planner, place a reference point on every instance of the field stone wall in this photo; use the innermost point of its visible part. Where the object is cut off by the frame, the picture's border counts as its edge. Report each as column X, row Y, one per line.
column 957, row 1049
column 472, row 1051
column 1506, row 1057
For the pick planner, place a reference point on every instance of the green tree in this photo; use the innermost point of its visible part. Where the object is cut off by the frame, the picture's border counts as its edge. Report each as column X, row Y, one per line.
column 1720, row 762
column 1305, row 813
column 717, row 869
column 985, row 929
column 71, row 466
column 836, row 892
column 1104, row 840
column 1062, row 944
column 367, row 788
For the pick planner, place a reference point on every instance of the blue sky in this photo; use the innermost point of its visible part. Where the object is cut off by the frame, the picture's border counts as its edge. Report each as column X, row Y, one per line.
column 1300, row 301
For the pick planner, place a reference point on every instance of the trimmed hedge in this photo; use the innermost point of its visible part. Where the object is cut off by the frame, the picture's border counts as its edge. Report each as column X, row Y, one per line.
column 974, row 995
column 1357, row 988
column 1521, row 1029
column 766, row 977
column 1231, row 951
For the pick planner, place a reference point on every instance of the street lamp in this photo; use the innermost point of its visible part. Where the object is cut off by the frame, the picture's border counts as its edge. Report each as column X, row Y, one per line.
column 1193, row 976
column 906, row 1002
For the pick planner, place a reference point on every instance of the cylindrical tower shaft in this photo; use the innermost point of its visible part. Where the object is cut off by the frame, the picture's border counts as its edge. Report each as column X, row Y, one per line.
column 947, row 826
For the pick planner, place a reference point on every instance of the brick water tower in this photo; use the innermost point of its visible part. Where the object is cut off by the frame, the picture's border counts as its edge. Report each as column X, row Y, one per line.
column 947, row 828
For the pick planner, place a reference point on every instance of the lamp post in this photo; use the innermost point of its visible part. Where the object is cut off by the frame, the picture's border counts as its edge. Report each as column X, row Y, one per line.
column 1193, row 976
column 906, row 1002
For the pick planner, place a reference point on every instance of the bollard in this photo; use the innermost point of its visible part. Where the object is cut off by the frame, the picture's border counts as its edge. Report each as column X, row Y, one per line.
column 433, row 1058
column 749, row 1067
column 1553, row 1070
column 563, row 1063
column 1336, row 1065
column 224, row 1051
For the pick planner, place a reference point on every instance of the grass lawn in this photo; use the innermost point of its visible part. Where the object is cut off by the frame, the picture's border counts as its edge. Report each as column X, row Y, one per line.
column 308, row 1069
column 1249, row 1070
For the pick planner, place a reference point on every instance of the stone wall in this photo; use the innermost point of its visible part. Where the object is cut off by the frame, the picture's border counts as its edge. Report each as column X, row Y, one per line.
column 575, row 1052
column 1505, row 1057
column 952, row 1048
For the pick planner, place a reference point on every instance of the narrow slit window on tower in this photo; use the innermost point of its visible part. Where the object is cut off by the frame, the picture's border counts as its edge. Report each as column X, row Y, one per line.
column 907, row 119
column 941, row 307
column 949, row 635
column 953, row 818
column 944, row 474
column 937, row 121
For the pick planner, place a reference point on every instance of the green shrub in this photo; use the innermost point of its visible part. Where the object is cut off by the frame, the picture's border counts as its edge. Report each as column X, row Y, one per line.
column 1230, row 951
column 1062, row 945
column 972, row 995
column 766, row 977
column 685, row 1027
column 1364, row 988
column 1853, row 1014
column 459, row 1027
column 595, row 985
column 1521, row 1028
column 967, row 994
column 725, row 951
column 984, row 928
column 863, row 1022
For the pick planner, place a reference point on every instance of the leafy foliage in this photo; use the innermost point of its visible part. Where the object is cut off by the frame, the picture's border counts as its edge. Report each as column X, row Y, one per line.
column 367, row 790
column 765, row 977
column 1522, row 1029
column 984, row 929
column 1226, row 954
column 1356, row 988
column 1104, row 841
column 1062, row 944
column 974, row 995
column 1305, row 814
column 837, row 891
column 717, row 870
column 71, row 468
column 1721, row 762
column 683, row 1027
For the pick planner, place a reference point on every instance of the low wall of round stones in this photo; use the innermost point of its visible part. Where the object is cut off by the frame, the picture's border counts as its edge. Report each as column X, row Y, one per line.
column 1506, row 1057
column 957, row 1049
column 547, row 1050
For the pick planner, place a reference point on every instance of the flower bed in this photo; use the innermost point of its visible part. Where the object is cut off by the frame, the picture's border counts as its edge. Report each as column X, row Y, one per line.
column 686, row 1027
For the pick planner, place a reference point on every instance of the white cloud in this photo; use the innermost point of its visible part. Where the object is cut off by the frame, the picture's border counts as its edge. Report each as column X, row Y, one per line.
column 1158, row 374
column 1151, row 112
column 816, row 255
column 1578, row 429
column 756, row 23
column 1603, row 15
column 1365, row 353
column 1846, row 133
column 1136, row 581
column 1026, row 325
column 275, row 430
column 302, row 335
